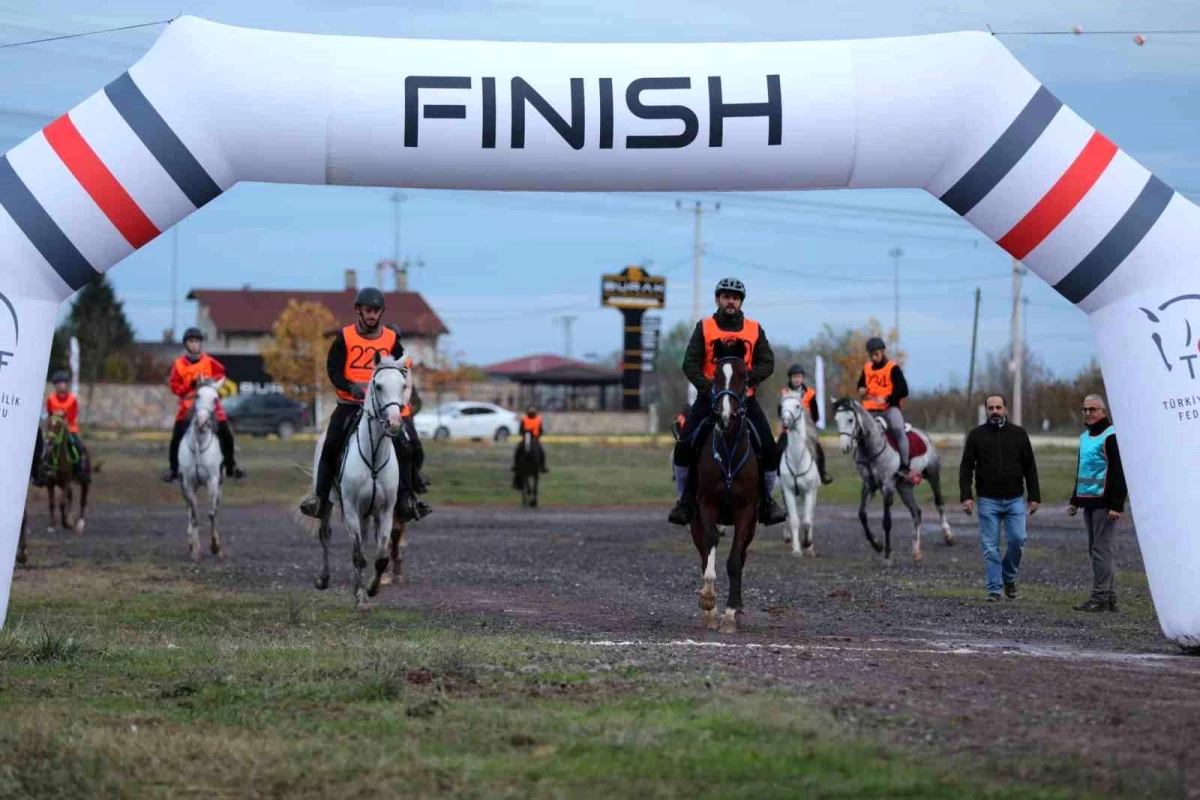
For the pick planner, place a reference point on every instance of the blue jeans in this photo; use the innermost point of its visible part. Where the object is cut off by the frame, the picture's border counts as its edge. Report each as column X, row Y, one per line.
column 991, row 512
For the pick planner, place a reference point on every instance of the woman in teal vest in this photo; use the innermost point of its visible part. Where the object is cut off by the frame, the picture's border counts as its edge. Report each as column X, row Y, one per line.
column 1100, row 492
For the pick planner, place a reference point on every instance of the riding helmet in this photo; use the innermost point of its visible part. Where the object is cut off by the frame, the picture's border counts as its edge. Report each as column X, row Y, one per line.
column 193, row 333
column 370, row 297
column 732, row 286
column 875, row 343
column 61, row 376
column 795, row 369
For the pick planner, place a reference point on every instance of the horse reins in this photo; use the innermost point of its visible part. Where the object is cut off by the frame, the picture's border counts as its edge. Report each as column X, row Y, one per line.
column 728, row 471
column 377, row 416
column 861, row 433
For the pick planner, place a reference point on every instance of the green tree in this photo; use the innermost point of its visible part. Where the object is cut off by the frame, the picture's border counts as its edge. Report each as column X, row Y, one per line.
column 60, row 350
column 98, row 321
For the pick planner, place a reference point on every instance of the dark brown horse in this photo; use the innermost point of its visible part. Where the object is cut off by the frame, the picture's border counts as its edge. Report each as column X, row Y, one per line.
column 726, row 487
column 61, row 467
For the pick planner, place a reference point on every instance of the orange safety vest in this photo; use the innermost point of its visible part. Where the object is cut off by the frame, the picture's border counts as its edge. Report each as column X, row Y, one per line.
column 407, row 411
column 681, row 419
column 713, row 334
column 67, row 407
column 810, row 395
column 360, row 356
column 532, row 425
column 879, row 383
column 184, row 372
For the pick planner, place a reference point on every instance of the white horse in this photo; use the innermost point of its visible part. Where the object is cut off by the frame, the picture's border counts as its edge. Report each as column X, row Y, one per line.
column 798, row 473
column 369, row 479
column 877, row 463
column 200, row 465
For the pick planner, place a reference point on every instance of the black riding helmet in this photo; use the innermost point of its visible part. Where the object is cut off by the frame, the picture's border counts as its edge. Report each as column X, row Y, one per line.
column 61, row 376
column 875, row 343
column 370, row 297
column 732, row 286
column 193, row 333
column 795, row 369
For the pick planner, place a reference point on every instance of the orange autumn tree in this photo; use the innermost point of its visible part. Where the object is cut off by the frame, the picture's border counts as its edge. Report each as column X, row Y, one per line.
column 295, row 354
column 846, row 364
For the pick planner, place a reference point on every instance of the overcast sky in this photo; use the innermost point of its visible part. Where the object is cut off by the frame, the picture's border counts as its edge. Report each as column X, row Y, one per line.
column 501, row 268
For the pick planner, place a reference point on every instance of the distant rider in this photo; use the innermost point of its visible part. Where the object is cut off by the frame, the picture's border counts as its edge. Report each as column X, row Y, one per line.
column 883, row 388
column 808, row 397
column 186, row 373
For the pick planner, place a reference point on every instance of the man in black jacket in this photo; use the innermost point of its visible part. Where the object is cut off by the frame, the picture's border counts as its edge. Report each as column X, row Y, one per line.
column 1000, row 458
column 698, row 366
column 1100, row 491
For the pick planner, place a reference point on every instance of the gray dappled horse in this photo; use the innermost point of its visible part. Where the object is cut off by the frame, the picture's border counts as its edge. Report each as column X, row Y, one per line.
column 878, row 462
column 200, row 465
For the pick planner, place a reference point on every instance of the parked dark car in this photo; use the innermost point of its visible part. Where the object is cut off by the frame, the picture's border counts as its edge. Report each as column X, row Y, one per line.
column 260, row 414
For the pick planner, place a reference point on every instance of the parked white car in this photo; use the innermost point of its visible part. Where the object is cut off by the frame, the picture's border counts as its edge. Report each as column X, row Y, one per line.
column 466, row 420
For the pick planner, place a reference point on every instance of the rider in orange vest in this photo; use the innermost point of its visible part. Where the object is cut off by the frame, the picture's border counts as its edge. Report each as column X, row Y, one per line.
column 699, row 367
column 532, row 422
column 680, row 420
column 63, row 402
column 808, row 396
column 883, row 388
column 187, row 371
column 350, row 364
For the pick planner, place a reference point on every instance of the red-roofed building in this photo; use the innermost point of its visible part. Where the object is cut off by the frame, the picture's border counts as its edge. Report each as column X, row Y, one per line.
column 560, row 384
column 237, row 322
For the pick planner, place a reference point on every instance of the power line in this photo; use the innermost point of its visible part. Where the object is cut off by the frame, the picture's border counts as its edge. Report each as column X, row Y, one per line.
column 841, row 277
column 86, row 33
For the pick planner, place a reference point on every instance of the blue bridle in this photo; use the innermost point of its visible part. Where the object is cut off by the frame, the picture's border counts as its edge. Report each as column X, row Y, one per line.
column 730, row 470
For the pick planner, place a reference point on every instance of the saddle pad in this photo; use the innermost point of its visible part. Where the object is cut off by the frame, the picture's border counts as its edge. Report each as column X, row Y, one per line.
column 916, row 445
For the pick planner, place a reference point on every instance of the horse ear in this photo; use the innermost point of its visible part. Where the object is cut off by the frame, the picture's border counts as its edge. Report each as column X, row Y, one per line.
column 378, row 357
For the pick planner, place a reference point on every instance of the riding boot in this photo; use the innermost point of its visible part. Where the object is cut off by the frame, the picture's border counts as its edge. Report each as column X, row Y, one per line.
column 542, row 459
column 420, row 482
column 825, row 476
column 172, row 472
column 316, row 503
column 681, row 514
column 770, row 512
column 225, row 437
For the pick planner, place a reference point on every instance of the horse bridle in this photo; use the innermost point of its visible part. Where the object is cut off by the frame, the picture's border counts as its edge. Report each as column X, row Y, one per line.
column 790, row 429
column 381, row 410
column 378, row 416
column 861, row 434
column 728, row 469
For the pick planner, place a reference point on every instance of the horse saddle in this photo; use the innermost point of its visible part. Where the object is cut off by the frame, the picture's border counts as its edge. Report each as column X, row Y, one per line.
column 696, row 437
column 916, row 445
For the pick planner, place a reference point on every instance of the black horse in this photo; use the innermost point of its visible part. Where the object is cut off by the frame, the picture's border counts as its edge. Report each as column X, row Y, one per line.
column 528, row 470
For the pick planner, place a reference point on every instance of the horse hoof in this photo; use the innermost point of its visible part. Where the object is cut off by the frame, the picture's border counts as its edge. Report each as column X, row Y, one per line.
column 918, row 557
column 949, row 539
column 810, row 551
column 729, row 622
column 79, row 526
column 321, row 582
column 708, row 599
column 797, row 553
column 385, row 579
column 710, row 620
column 363, row 607
column 220, row 554
column 887, row 562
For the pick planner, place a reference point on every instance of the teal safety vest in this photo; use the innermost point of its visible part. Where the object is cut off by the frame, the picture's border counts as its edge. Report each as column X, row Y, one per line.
column 1093, row 464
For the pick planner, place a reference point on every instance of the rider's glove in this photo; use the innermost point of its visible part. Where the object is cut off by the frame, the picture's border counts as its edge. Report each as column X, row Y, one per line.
column 357, row 392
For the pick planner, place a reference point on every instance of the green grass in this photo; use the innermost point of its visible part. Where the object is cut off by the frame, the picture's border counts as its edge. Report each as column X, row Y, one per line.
column 150, row 685
column 478, row 474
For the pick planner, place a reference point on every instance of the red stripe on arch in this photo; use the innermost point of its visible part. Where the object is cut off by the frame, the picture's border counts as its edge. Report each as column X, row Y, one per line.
column 1062, row 198
column 103, row 187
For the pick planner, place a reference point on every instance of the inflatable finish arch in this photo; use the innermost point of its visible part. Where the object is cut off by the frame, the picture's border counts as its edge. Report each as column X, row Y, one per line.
column 954, row 114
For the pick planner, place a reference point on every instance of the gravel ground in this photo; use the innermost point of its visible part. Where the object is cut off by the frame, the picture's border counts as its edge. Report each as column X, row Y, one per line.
column 910, row 651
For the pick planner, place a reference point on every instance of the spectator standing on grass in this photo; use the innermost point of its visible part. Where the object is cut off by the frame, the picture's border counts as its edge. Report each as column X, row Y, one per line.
column 999, row 457
column 1100, row 491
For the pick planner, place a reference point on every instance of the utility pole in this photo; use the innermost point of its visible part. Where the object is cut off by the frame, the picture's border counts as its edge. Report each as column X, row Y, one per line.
column 895, row 253
column 174, row 282
column 697, row 269
column 566, row 320
column 1018, row 342
column 971, row 370
column 402, row 272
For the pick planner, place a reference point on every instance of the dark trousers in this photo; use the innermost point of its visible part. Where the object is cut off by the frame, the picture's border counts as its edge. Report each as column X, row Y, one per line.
column 224, row 438
column 416, row 449
column 340, row 428
column 768, row 453
column 1102, row 547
